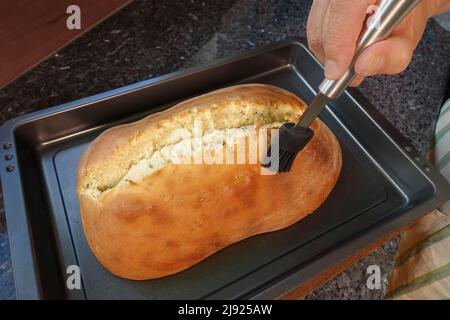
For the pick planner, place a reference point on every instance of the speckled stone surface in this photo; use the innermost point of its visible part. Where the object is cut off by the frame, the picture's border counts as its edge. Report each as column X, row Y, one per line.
column 151, row 38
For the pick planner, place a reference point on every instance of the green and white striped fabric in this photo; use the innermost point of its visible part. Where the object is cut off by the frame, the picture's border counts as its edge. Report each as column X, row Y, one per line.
column 440, row 148
column 422, row 267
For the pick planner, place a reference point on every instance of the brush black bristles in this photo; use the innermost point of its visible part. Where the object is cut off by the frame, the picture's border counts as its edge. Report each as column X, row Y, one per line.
column 291, row 140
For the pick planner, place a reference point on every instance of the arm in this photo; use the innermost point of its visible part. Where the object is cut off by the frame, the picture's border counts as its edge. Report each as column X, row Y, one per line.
column 442, row 6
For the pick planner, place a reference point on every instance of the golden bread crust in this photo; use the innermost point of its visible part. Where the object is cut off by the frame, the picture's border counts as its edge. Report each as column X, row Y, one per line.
column 181, row 214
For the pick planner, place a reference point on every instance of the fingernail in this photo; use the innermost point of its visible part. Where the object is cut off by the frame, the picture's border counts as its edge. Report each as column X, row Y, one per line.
column 331, row 69
column 374, row 66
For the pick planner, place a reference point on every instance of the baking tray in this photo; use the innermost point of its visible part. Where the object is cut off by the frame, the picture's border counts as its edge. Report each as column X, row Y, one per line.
column 384, row 184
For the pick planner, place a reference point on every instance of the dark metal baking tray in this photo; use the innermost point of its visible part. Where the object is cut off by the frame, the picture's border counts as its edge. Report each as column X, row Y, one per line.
column 384, row 184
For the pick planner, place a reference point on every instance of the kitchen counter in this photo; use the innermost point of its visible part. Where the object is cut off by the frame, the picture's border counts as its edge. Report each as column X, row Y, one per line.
column 148, row 38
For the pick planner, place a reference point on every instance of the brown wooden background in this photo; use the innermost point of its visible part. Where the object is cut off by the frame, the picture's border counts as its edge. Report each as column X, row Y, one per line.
column 31, row 30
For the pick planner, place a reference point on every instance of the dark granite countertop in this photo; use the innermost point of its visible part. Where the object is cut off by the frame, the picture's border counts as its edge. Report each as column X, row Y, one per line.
column 151, row 38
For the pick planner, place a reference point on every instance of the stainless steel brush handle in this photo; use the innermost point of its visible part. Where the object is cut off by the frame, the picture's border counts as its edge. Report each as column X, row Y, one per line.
column 388, row 16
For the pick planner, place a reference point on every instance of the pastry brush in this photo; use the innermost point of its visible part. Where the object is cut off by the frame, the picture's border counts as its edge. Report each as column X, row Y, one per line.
column 292, row 138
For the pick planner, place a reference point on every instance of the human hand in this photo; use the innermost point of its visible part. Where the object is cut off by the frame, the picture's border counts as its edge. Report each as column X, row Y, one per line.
column 334, row 27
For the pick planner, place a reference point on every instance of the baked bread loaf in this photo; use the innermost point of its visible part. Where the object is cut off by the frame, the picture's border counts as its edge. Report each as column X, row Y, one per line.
column 147, row 214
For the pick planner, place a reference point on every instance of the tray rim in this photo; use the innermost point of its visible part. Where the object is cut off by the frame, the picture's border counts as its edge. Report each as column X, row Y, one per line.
column 26, row 277
column 19, row 233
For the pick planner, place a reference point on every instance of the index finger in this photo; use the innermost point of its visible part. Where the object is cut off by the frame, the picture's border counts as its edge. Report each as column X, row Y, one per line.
column 314, row 26
column 341, row 32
